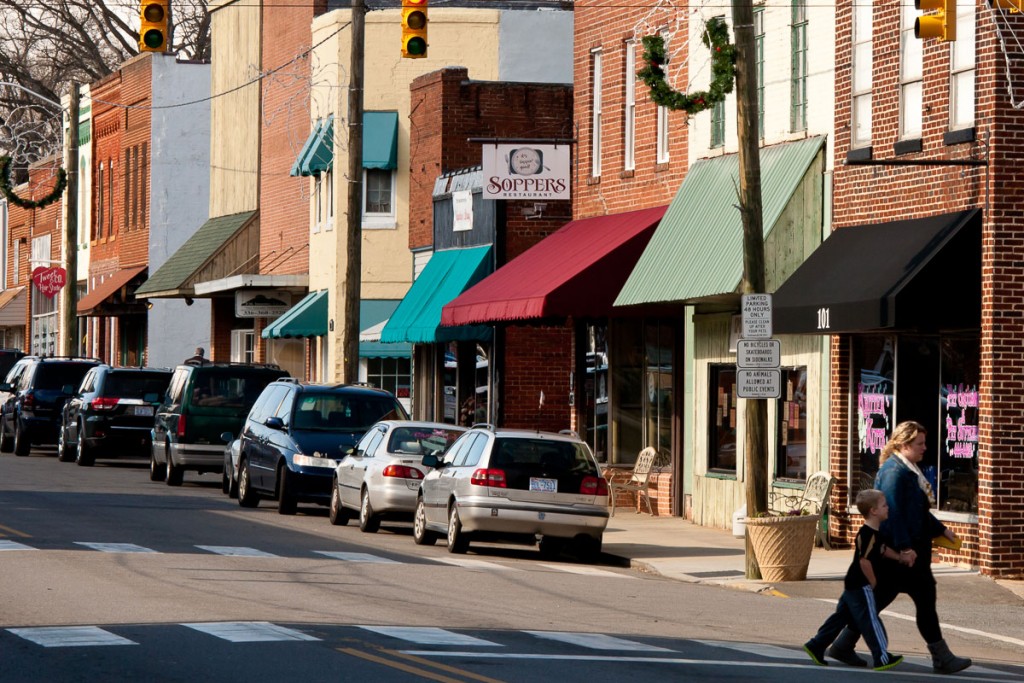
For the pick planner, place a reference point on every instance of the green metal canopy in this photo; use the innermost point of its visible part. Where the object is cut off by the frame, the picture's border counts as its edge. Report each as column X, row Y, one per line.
column 448, row 273
column 308, row 318
column 380, row 139
column 317, row 154
column 697, row 249
column 374, row 313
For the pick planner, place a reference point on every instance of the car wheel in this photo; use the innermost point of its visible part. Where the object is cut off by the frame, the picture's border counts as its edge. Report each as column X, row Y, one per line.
column 247, row 497
column 175, row 474
column 286, row 503
column 157, row 471
column 65, row 452
column 587, row 548
column 550, row 547
column 368, row 521
column 6, row 442
column 339, row 514
column 421, row 535
column 21, row 443
column 457, row 540
column 225, row 483
column 85, row 456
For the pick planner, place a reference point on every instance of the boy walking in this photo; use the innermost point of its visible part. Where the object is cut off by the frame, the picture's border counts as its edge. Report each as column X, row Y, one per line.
column 857, row 603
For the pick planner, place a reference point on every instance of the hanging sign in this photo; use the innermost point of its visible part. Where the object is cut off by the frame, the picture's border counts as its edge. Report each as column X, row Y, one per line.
column 526, row 171
column 49, row 280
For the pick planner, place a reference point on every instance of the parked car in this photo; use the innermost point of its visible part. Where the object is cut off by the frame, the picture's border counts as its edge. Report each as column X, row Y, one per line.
column 381, row 476
column 514, row 485
column 297, row 433
column 111, row 414
column 33, row 395
column 203, row 401
column 232, row 451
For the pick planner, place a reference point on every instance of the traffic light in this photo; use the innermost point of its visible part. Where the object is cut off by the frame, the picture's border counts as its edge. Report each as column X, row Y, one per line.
column 154, row 16
column 941, row 25
column 414, row 29
column 1012, row 5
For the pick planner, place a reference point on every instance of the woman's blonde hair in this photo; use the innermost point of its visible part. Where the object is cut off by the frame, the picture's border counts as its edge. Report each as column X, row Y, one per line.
column 904, row 434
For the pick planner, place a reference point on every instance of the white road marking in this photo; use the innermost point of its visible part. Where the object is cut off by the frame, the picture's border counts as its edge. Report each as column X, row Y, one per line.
column 428, row 635
column 116, row 547
column 250, row 631
column 355, row 557
column 773, row 651
column 588, row 571
column 233, row 551
column 597, row 641
column 467, row 563
column 14, row 545
column 70, row 636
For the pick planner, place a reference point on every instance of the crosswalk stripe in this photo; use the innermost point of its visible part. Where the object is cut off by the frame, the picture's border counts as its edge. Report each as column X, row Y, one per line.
column 249, row 631
column 429, row 635
column 467, row 563
column 772, row 651
column 597, row 641
column 116, row 547
column 70, row 636
column 355, row 557
column 235, row 551
column 588, row 571
column 14, row 545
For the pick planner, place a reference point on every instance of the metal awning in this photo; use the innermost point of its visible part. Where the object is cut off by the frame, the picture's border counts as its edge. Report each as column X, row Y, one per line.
column 308, row 318
column 92, row 304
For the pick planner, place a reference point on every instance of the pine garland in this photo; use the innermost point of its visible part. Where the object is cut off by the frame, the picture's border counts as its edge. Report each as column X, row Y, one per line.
column 723, row 60
column 5, row 187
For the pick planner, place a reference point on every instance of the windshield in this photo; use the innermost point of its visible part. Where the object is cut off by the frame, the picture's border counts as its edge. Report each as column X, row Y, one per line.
column 216, row 390
column 338, row 412
column 136, row 384
column 56, row 375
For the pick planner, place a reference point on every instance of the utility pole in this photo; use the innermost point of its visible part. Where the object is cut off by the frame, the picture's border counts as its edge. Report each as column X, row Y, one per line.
column 351, row 287
column 70, row 293
column 756, row 443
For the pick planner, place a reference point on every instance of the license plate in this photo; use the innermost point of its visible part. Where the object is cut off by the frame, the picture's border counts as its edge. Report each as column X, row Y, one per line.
column 543, row 485
column 142, row 410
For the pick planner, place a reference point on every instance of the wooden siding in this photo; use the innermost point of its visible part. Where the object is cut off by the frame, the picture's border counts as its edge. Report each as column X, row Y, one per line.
column 232, row 258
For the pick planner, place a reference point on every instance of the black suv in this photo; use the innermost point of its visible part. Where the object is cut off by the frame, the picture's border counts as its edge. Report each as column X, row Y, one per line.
column 112, row 413
column 203, row 401
column 297, row 433
column 33, row 397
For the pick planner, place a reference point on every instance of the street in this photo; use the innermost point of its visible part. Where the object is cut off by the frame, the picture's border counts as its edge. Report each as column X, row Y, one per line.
column 108, row 577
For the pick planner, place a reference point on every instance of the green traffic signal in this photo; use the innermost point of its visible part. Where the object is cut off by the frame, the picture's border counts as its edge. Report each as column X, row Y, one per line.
column 416, row 46
column 153, row 39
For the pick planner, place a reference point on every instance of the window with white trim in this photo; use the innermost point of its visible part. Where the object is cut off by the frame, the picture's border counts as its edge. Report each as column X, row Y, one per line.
column 629, row 127
column 663, row 137
column 329, row 199
column 318, row 202
column 798, row 92
column 595, row 114
column 861, row 75
column 961, row 67
column 378, row 199
column 759, row 66
column 911, row 75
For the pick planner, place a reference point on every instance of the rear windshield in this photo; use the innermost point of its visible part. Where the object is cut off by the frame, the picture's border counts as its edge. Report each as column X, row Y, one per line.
column 136, row 384
column 421, row 440
column 336, row 412
column 56, row 375
column 522, row 459
column 219, row 392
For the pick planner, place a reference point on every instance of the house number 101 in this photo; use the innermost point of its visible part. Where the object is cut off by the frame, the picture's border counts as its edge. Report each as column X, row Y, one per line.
column 823, row 321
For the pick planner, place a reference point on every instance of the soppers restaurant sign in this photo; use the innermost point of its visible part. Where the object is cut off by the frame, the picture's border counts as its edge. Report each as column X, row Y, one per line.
column 526, row 171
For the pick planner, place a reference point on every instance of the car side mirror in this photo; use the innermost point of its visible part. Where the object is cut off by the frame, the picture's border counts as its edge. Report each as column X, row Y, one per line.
column 227, row 437
column 4, row 386
column 275, row 423
column 431, row 461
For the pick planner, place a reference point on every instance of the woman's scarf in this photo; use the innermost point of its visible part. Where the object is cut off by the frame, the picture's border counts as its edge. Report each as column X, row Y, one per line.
column 921, row 480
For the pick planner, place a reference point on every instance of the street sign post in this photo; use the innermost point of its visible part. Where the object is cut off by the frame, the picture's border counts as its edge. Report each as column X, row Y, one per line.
column 758, row 353
column 759, row 383
column 757, row 316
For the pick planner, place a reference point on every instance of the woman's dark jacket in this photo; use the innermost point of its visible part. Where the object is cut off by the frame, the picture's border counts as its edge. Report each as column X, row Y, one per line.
column 910, row 523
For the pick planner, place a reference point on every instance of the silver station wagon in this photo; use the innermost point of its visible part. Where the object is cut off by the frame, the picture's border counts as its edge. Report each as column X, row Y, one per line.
column 514, row 485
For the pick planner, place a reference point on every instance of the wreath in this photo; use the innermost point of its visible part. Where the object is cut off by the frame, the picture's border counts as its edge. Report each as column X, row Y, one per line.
column 5, row 187
column 723, row 71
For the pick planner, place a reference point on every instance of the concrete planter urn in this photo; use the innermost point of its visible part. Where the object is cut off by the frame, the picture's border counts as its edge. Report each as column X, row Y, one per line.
column 782, row 545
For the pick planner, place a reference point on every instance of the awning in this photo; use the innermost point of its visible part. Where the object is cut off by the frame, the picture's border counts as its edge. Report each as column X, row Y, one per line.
column 13, row 307
column 373, row 315
column 697, row 250
column 448, row 273
column 576, row 271
column 920, row 274
column 317, row 154
column 380, row 139
column 308, row 318
column 170, row 279
column 89, row 303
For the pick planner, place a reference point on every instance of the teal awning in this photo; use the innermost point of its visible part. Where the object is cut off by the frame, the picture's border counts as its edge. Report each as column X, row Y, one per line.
column 308, row 318
column 374, row 313
column 317, row 154
column 697, row 249
column 380, row 139
column 448, row 273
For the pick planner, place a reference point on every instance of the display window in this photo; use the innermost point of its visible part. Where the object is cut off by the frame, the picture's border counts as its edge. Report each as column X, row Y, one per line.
column 722, row 419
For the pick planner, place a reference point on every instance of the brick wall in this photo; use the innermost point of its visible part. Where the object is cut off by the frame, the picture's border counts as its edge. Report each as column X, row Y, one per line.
column 536, row 360
column 24, row 225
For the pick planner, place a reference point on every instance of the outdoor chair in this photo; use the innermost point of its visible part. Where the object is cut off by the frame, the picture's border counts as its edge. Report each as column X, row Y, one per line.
column 813, row 500
column 637, row 482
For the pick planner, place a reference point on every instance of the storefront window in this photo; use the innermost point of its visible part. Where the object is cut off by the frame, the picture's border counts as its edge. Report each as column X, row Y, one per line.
column 44, row 323
column 390, row 374
column 640, row 361
column 958, row 443
column 873, row 385
column 791, row 454
column 658, row 411
column 722, row 420
column 595, row 388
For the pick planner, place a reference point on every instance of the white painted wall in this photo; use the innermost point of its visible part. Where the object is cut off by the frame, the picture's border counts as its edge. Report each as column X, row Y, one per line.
column 179, row 200
column 520, row 34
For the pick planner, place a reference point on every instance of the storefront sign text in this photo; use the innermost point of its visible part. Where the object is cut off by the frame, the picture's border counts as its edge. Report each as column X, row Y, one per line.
column 521, row 171
column 961, row 436
column 874, row 410
column 49, row 280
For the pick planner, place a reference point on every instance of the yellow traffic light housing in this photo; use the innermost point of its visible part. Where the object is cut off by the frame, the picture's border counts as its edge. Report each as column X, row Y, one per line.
column 414, row 29
column 941, row 25
column 154, row 18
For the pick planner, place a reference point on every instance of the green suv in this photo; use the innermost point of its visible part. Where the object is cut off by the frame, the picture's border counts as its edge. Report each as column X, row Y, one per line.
column 203, row 401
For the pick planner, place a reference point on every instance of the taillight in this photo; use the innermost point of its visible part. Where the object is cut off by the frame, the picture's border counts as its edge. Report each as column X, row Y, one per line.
column 402, row 472
column 181, row 427
column 594, row 486
column 104, row 403
column 28, row 400
column 483, row 477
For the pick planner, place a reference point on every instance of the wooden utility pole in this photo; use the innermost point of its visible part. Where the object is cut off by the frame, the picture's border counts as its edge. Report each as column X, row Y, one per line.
column 756, row 443
column 70, row 294
column 351, row 287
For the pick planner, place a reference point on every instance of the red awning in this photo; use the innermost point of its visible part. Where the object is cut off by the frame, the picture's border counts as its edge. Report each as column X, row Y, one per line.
column 107, row 289
column 577, row 271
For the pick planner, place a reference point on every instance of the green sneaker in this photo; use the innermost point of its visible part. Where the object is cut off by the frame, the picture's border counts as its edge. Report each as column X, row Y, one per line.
column 817, row 656
column 893, row 661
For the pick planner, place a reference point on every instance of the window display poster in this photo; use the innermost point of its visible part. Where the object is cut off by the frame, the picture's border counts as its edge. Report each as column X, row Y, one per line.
column 874, row 364
column 958, row 440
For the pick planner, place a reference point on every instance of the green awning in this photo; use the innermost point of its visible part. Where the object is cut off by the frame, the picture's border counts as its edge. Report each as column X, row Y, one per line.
column 448, row 273
column 317, row 154
column 380, row 139
column 374, row 313
column 697, row 249
column 169, row 278
column 308, row 318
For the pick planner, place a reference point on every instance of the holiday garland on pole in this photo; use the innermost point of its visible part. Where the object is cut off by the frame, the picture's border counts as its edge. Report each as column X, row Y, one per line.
column 723, row 59
column 5, row 187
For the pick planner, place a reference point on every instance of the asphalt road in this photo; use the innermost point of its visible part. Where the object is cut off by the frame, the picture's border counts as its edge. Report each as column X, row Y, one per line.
column 107, row 576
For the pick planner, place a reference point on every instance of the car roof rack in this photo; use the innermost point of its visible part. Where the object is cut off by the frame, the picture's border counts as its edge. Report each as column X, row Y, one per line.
column 97, row 360
column 484, row 425
column 229, row 364
column 569, row 432
column 290, row 380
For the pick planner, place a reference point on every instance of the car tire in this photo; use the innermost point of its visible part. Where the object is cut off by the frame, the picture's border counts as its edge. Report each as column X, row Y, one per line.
column 286, row 503
column 85, row 456
column 421, row 535
column 247, row 497
column 6, row 442
column 22, row 445
column 225, row 483
column 65, row 453
column 175, row 474
column 550, row 547
column 339, row 514
column 458, row 542
column 157, row 471
column 369, row 522
column 588, row 548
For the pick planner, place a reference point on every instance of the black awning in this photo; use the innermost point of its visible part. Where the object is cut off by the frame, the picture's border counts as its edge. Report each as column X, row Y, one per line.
column 922, row 274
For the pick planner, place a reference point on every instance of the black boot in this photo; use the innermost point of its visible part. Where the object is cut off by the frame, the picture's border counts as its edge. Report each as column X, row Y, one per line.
column 944, row 661
column 842, row 649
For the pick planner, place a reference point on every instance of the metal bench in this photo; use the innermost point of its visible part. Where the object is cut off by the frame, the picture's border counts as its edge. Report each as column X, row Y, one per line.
column 637, row 482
